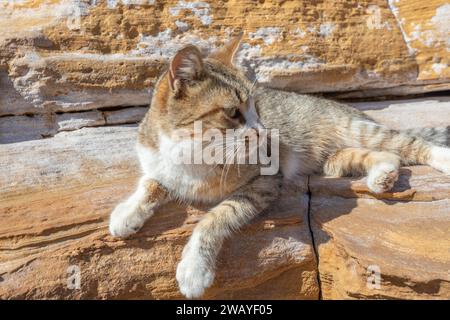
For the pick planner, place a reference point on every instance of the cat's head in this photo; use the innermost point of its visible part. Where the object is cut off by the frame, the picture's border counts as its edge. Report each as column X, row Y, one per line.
column 208, row 89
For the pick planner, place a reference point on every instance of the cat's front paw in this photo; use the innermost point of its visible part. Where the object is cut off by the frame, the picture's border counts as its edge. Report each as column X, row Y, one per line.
column 194, row 274
column 125, row 220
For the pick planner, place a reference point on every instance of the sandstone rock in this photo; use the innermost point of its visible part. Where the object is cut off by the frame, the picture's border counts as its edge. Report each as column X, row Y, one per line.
column 403, row 236
column 397, row 114
column 394, row 245
column 66, row 65
column 126, row 115
column 56, row 197
column 78, row 120
column 20, row 128
column 426, row 35
column 67, row 55
column 407, row 114
column 38, row 126
column 57, row 193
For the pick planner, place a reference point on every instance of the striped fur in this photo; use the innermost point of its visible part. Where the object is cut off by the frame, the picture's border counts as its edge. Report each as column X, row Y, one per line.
column 438, row 136
column 316, row 136
column 371, row 135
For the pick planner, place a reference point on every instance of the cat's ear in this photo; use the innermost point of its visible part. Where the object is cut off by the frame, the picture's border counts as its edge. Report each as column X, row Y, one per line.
column 227, row 53
column 185, row 66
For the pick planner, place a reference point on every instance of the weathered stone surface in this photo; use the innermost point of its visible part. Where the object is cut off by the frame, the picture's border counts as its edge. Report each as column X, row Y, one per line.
column 407, row 114
column 426, row 30
column 33, row 127
column 20, row 128
column 66, row 65
column 397, row 114
column 56, row 196
column 126, row 115
column 77, row 82
column 67, row 55
column 78, row 120
column 404, row 236
column 57, row 193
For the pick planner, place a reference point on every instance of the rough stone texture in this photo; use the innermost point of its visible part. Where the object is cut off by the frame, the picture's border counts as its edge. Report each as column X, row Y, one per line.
column 57, row 194
column 67, row 65
column 404, row 235
column 73, row 55
column 432, row 111
column 127, row 115
column 407, row 114
column 74, row 121
column 20, row 128
column 38, row 126
column 426, row 30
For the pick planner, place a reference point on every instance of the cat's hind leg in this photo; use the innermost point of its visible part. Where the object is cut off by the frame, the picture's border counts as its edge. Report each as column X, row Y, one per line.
column 381, row 167
column 426, row 146
column 129, row 216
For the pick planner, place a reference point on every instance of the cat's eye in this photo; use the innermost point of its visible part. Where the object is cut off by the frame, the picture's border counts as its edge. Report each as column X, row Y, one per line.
column 233, row 113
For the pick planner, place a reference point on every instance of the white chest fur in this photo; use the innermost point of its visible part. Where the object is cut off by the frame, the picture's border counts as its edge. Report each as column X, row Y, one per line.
column 185, row 180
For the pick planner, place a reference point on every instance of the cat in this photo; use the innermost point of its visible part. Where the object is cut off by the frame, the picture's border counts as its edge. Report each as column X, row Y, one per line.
column 315, row 136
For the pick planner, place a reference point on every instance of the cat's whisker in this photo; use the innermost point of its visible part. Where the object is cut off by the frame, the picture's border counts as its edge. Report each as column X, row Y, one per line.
column 223, row 169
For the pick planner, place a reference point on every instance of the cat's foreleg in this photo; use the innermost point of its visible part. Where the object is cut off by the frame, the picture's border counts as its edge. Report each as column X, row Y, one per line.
column 381, row 167
column 129, row 216
column 196, row 270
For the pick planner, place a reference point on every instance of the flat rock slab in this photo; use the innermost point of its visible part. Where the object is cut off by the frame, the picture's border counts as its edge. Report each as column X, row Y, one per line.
column 409, row 113
column 57, row 194
column 395, row 245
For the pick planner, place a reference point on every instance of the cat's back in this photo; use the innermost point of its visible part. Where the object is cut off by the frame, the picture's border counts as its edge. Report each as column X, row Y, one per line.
column 309, row 127
column 279, row 108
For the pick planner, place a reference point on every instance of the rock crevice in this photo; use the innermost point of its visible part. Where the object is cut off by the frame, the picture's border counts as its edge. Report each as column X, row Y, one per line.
column 15, row 128
column 313, row 241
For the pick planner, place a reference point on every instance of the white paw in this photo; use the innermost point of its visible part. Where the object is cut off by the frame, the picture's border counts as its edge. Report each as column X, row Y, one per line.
column 440, row 159
column 125, row 220
column 382, row 177
column 194, row 273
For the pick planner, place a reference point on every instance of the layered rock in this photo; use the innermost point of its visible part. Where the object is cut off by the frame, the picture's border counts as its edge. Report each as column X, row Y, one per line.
column 408, row 114
column 81, row 73
column 392, row 246
column 38, row 126
column 395, row 245
column 67, row 55
column 57, row 194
